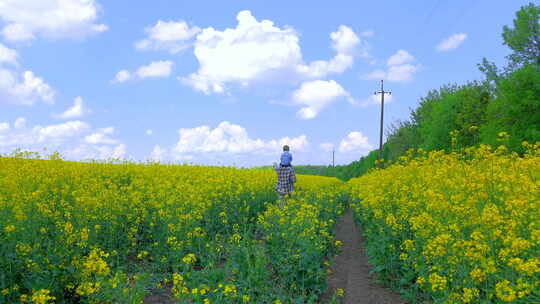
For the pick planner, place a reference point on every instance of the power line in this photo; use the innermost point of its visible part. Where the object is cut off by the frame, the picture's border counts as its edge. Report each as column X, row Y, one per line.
column 421, row 31
column 460, row 16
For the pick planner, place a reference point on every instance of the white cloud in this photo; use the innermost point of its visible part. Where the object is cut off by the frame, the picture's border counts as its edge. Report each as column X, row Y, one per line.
column 155, row 69
column 101, row 137
column 122, row 76
column 375, row 100
column 73, row 139
column 401, row 73
column 106, row 152
column 4, row 126
column 399, row 68
column 344, row 40
column 158, row 153
column 26, row 89
column 77, row 110
column 258, row 51
column 229, row 138
column 20, row 123
column 316, row 95
column 355, row 141
column 451, row 42
column 8, row 55
column 87, row 151
column 171, row 36
column 26, row 19
column 399, row 58
column 61, row 131
column 17, row 32
column 149, row 132
column 376, row 74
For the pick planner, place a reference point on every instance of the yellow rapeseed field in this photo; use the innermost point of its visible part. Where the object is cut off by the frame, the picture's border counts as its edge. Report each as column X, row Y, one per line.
column 456, row 227
column 444, row 227
column 114, row 233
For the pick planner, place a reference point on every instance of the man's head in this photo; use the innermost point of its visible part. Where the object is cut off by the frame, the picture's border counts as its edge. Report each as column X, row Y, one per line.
column 285, row 148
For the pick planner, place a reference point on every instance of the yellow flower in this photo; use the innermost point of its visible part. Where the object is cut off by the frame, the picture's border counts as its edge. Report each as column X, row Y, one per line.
column 42, row 297
column 437, row 282
column 505, row 292
column 190, row 258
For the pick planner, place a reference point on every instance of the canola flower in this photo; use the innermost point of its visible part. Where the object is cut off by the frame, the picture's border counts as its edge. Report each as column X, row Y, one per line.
column 70, row 231
column 459, row 227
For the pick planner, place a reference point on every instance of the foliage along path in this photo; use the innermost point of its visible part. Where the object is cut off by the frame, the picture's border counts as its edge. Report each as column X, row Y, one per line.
column 350, row 270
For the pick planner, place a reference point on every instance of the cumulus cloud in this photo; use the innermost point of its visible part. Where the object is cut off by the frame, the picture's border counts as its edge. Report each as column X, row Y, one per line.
column 158, row 154
column 171, row 36
column 101, row 137
column 156, row 69
column 316, row 95
column 4, row 126
column 257, row 51
column 24, row 89
column 401, row 73
column 344, row 40
column 400, row 68
column 77, row 110
column 7, row 55
column 86, row 151
column 374, row 100
column 230, row 138
column 107, row 152
column 20, row 123
column 452, row 42
column 376, row 74
column 74, row 139
column 27, row 19
column 122, row 76
column 354, row 141
column 60, row 131
column 401, row 57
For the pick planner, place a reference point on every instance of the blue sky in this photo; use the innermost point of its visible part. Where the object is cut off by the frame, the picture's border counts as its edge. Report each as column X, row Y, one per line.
column 229, row 82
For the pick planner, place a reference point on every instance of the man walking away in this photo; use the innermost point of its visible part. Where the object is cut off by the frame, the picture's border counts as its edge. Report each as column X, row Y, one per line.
column 285, row 182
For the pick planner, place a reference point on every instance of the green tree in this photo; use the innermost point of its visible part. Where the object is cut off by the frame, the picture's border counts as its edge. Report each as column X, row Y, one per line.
column 516, row 109
column 524, row 38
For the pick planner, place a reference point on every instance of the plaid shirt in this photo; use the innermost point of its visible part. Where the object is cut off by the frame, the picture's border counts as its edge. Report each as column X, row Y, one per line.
column 286, row 180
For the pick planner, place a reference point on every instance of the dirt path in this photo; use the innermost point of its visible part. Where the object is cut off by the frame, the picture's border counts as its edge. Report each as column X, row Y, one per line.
column 350, row 270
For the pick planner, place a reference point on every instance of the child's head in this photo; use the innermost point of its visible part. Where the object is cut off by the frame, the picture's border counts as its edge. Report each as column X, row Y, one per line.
column 285, row 148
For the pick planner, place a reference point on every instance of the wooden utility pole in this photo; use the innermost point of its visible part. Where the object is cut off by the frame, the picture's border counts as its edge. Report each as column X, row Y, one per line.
column 382, row 92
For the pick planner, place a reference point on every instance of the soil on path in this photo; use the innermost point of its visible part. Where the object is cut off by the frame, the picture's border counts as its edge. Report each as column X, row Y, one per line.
column 350, row 270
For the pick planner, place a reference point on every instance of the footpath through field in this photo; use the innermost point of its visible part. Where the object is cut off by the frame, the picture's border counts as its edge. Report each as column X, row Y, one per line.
column 350, row 270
